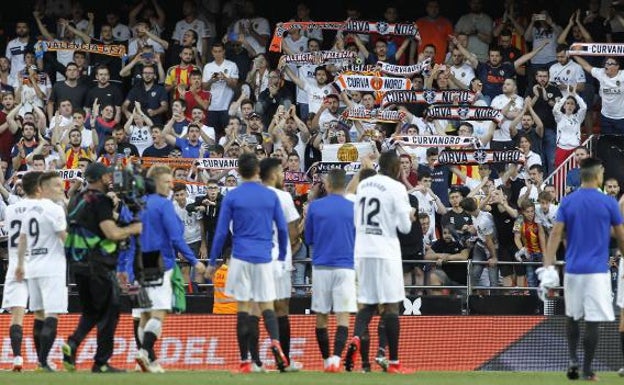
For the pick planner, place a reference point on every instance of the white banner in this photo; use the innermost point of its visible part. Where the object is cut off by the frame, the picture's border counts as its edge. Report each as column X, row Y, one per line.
column 465, row 113
column 386, row 116
column 427, row 96
column 70, row 173
column 320, row 56
column 480, row 156
column 371, row 83
column 406, row 71
column 348, row 152
column 217, row 163
column 596, row 49
column 434, row 141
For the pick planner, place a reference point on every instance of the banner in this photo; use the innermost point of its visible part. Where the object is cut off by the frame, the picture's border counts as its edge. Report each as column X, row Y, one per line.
column 386, row 116
column 147, row 162
column 349, row 167
column 320, row 57
column 295, row 177
column 371, row 83
column 406, row 71
column 118, row 50
column 70, row 173
column 360, row 69
column 480, row 156
column 355, row 26
column 347, row 152
column 428, row 96
column 596, row 49
column 434, row 141
column 465, row 113
column 217, row 163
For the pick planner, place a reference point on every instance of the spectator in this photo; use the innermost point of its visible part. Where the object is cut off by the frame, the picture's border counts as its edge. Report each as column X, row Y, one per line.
column 146, row 58
column 276, row 94
column 178, row 76
column 447, row 248
column 391, row 16
column 569, row 114
column 546, row 211
column 303, row 14
column 119, row 31
column 190, row 21
column 545, row 96
column 143, row 38
column 542, row 32
column 106, row 92
column 434, row 29
column 159, row 147
column 32, row 87
column 16, row 48
column 511, row 105
column 478, row 26
column 69, row 89
column 154, row 15
column 530, row 240
column 195, row 96
column 439, row 176
column 254, row 28
column 534, row 184
column 573, row 176
column 220, row 77
column 611, row 80
column 123, row 145
column 151, row 96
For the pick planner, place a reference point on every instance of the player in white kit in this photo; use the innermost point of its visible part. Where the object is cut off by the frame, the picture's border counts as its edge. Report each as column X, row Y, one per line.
column 41, row 261
column 381, row 209
column 15, row 293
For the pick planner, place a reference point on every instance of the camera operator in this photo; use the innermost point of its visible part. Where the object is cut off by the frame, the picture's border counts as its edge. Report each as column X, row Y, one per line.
column 91, row 214
column 162, row 238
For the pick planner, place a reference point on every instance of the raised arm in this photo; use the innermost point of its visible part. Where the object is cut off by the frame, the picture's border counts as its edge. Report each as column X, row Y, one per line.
column 472, row 59
column 528, row 56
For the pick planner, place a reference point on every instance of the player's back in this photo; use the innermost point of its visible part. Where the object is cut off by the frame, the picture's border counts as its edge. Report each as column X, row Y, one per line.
column 14, row 221
column 381, row 209
column 42, row 222
column 588, row 215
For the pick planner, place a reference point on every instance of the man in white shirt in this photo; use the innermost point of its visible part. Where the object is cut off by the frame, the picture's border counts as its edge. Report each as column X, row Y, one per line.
column 255, row 29
column 17, row 47
column 510, row 105
column 42, row 237
column 190, row 21
column 461, row 70
column 611, row 80
column 220, row 77
column 566, row 72
column 381, row 210
column 534, row 184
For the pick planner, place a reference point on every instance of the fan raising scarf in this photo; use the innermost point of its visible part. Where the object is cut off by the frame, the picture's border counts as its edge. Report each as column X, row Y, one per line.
column 355, row 26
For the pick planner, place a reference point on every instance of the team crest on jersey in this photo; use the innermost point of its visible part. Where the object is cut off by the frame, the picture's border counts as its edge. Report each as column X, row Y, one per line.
column 463, row 112
column 480, row 156
column 568, row 72
column 412, row 308
column 463, row 74
column 617, row 83
column 502, row 72
column 153, row 94
column 429, row 96
column 382, row 27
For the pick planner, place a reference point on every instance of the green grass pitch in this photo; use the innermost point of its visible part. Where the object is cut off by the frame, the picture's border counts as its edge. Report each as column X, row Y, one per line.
column 303, row 378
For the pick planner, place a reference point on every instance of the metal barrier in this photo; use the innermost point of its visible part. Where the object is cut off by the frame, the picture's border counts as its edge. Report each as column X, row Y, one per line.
column 558, row 177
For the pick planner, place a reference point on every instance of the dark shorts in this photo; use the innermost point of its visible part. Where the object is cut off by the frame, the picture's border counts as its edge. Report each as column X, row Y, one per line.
column 410, row 266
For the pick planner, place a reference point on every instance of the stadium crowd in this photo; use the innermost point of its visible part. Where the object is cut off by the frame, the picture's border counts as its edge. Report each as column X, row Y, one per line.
column 207, row 87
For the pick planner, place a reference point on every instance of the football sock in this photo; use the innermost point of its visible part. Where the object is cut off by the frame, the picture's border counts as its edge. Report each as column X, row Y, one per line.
column 135, row 328
column 16, row 334
column 284, row 333
column 340, row 340
column 151, row 334
column 573, row 333
column 590, row 341
column 37, row 326
column 322, row 338
column 270, row 323
column 242, row 332
column 47, row 337
column 362, row 319
column 365, row 348
column 392, row 330
column 381, row 334
column 253, row 338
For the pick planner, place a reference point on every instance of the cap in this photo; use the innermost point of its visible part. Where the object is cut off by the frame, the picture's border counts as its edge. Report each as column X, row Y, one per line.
column 95, row 171
column 259, row 147
column 253, row 115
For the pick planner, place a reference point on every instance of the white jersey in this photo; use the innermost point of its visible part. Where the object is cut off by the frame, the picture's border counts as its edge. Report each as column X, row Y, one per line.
column 222, row 94
column 568, row 74
column 484, row 223
column 46, row 253
column 381, row 209
column 464, row 73
column 499, row 102
column 612, row 93
column 13, row 224
column 305, row 73
column 290, row 214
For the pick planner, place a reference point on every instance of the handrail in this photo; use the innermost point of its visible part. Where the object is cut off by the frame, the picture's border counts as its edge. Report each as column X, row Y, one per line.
column 558, row 177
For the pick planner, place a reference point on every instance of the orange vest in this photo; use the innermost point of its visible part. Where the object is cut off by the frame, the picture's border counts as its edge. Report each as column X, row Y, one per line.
column 223, row 304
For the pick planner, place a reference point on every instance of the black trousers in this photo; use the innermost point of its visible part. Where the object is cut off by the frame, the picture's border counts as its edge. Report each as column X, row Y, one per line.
column 98, row 293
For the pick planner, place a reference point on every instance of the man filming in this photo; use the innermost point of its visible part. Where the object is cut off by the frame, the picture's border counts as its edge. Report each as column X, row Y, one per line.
column 92, row 248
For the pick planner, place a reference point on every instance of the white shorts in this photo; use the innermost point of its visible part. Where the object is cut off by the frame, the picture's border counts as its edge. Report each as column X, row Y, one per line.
column 283, row 284
column 588, row 296
column 380, row 281
column 14, row 294
column 248, row 281
column 333, row 288
column 48, row 294
column 161, row 296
